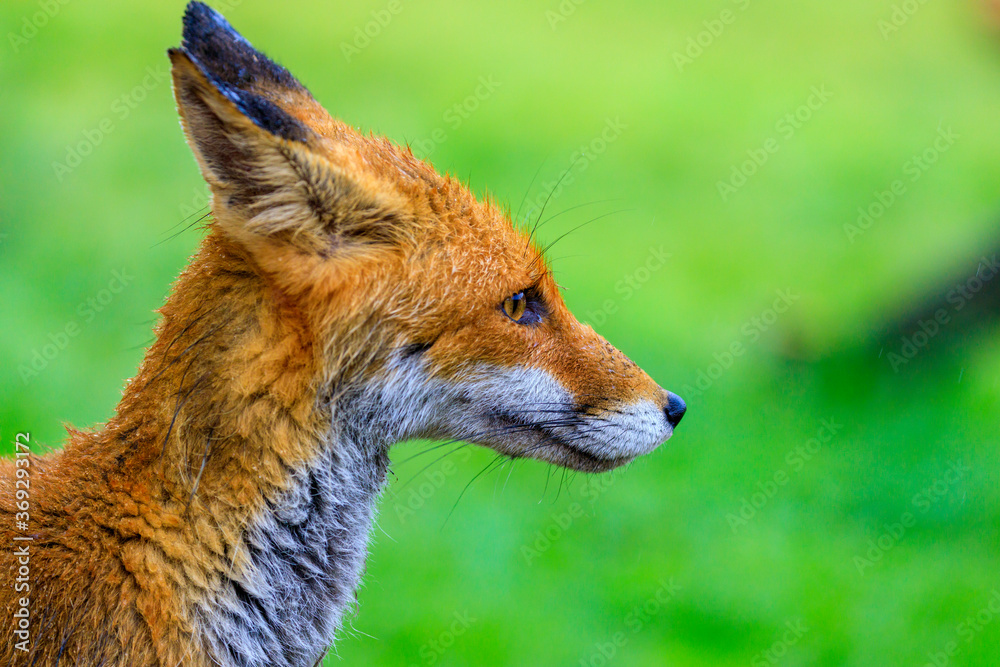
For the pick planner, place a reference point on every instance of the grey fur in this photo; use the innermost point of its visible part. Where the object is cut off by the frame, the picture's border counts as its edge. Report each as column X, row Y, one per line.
column 306, row 556
column 308, row 551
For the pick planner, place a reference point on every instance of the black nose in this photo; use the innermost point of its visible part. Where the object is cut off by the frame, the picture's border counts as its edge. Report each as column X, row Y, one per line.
column 676, row 407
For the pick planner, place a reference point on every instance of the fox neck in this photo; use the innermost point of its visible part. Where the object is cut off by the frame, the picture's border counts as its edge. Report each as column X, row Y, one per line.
column 305, row 556
column 270, row 490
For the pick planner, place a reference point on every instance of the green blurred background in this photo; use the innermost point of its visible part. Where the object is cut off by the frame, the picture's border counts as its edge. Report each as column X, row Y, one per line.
column 751, row 537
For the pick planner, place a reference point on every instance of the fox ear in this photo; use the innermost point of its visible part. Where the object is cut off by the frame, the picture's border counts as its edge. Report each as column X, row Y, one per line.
column 266, row 168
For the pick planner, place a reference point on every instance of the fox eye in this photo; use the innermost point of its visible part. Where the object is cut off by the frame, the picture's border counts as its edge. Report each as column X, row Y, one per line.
column 514, row 306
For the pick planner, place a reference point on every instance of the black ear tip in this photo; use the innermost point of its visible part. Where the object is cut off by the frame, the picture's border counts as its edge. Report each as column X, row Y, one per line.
column 197, row 14
column 202, row 24
column 226, row 55
column 197, row 9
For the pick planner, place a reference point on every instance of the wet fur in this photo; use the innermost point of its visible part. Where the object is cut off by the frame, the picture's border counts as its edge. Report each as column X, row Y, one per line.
column 346, row 297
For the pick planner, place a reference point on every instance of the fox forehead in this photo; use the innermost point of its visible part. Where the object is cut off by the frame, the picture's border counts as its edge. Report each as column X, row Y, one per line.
column 456, row 244
column 475, row 242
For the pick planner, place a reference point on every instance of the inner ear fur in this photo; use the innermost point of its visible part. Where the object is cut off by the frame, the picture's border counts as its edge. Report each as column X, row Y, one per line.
column 270, row 173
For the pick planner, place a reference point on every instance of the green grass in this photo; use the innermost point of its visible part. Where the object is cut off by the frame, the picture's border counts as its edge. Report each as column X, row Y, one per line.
column 650, row 568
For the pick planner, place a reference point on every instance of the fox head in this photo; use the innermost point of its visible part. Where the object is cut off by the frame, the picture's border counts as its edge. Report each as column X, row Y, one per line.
column 431, row 314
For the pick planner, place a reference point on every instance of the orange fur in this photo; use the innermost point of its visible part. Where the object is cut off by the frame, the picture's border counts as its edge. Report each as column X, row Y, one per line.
column 297, row 290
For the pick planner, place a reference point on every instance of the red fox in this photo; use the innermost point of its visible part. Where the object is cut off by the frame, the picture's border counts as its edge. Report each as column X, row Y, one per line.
column 345, row 298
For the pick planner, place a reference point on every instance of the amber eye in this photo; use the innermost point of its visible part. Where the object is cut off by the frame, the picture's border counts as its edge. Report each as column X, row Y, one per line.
column 514, row 306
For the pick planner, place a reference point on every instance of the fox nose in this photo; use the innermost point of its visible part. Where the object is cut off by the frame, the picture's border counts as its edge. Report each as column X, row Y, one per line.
column 675, row 409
